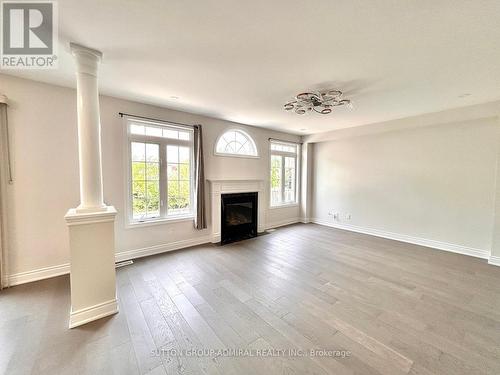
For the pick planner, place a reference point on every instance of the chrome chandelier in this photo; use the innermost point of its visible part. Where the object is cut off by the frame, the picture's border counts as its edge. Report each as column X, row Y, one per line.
column 319, row 102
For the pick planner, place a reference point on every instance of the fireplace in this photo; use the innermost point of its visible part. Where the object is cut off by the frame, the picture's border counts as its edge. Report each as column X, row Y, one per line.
column 238, row 216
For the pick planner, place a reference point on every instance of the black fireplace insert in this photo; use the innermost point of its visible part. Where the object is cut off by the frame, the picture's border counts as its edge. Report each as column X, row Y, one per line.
column 238, row 217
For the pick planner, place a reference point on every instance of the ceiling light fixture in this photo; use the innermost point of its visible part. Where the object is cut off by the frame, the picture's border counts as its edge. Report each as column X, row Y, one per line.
column 319, row 102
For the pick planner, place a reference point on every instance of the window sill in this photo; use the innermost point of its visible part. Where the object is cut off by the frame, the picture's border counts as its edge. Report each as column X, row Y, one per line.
column 285, row 205
column 148, row 223
column 237, row 155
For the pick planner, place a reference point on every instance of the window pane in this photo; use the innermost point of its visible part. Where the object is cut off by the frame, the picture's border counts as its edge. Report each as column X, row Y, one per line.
column 185, row 136
column 289, row 179
column 153, row 198
column 184, row 190
column 139, row 199
column 183, row 155
column 172, row 204
column 184, row 196
column 139, row 208
column 275, row 161
column 145, row 175
column 184, row 171
column 276, row 179
column 152, row 171
column 153, row 131
column 172, row 154
column 239, row 138
column 173, row 188
column 168, row 133
column 138, row 170
column 173, row 172
column 136, row 129
column 231, row 147
column 285, row 147
column 139, row 190
column 138, row 151
column 152, row 152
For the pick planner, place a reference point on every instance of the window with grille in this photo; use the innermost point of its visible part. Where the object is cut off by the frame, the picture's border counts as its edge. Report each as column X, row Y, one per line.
column 160, row 165
column 284, row 174
column 236, row 143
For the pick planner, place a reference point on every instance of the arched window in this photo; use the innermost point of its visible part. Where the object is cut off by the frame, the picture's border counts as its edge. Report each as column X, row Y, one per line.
column 236, row 142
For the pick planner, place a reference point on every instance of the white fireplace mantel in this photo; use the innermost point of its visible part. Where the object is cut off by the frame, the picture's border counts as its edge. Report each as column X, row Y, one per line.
column 218, row 187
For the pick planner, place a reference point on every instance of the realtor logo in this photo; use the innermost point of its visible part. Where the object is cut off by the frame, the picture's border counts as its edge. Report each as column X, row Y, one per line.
column 29, row 35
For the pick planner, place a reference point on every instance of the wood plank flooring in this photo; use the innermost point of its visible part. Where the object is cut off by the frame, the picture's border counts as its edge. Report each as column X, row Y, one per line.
column 388, row 307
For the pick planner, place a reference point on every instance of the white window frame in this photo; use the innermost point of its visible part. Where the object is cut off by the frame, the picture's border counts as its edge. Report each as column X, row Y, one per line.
column 284, row 154
column 250, row 138
column 162, row 142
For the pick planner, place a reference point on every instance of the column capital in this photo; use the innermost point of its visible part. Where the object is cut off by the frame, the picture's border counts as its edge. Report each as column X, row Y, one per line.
column 87, row 59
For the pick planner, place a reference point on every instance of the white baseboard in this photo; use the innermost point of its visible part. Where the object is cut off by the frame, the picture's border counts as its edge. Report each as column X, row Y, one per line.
column 89, row 314
column 494, row 260
column 282, row 223
column 454, row 248
column 39, row 274
column 63, row 269
column 305, row 220
column 163, row 248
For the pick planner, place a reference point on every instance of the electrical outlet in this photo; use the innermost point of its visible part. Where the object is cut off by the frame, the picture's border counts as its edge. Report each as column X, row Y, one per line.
column 334, row 215
column 348, row 216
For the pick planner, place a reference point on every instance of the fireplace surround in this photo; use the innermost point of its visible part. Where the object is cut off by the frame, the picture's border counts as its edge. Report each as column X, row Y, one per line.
column 220, row 187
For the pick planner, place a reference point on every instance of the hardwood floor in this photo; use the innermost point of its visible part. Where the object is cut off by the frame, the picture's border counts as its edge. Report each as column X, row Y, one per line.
column 395, row 308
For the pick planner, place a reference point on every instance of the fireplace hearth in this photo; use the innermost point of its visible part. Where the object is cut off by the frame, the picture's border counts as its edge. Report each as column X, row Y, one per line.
column 238, row 216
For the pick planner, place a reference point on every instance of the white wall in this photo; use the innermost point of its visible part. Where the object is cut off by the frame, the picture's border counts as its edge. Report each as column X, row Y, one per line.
column 435, row 182
column 45, row 165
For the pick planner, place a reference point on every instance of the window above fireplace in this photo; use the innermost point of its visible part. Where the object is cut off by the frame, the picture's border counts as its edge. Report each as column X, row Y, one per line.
column 236, row 142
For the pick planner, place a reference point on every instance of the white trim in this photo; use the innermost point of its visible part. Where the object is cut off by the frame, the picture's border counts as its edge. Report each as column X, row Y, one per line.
column 64, row 269
column 282, row 223
column 38, row 274
column 73, row 217
column 494, row 260
column 163, row 248
column 284, row 205
column 152, row 222
column 244, row 156
column 305, row 220
column 454, row 248
column 89, row 314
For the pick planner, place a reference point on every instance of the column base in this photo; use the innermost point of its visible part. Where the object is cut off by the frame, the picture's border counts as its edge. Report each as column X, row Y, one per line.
column 89, row 314
column 494, row 260
column 92, row 269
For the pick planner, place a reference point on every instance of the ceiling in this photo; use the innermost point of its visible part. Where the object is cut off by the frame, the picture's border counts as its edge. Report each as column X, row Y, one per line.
column 242, row 60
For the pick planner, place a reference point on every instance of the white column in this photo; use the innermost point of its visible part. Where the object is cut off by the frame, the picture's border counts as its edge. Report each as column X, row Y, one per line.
column 91, row 224
column 89, row 128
